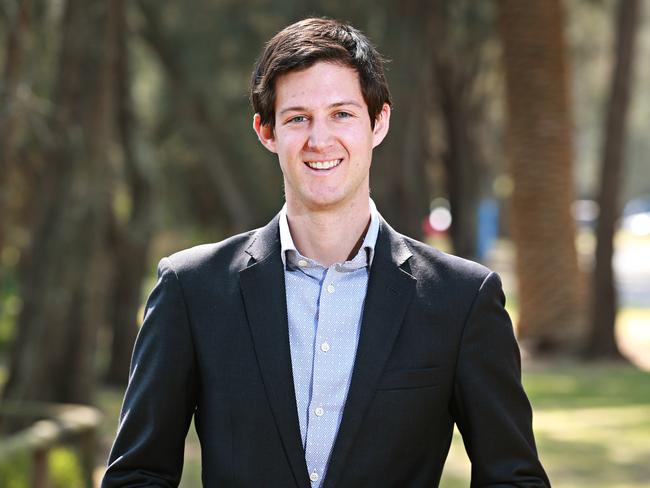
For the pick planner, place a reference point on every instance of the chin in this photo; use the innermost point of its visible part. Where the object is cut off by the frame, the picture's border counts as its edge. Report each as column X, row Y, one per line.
column 324, row 202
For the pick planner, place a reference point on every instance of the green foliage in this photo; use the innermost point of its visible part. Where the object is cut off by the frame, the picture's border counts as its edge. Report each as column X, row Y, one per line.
column 65, row 469
column 14, row 472
column 63, row 465
column 10, row 304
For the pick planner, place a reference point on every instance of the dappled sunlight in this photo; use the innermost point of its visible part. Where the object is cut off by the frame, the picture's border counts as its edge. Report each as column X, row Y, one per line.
column 633, row 335
column 592, row 425
column 606, row 446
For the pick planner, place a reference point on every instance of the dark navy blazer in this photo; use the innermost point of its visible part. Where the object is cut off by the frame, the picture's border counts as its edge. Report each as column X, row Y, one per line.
column 436, row 347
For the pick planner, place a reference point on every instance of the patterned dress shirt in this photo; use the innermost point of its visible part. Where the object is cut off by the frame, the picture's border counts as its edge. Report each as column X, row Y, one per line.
column 325, row 307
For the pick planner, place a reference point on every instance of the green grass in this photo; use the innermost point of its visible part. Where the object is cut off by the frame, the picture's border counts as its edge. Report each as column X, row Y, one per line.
column 592, row 425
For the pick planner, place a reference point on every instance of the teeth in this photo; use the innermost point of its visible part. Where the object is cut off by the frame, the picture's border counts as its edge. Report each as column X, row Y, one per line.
column 323, row 164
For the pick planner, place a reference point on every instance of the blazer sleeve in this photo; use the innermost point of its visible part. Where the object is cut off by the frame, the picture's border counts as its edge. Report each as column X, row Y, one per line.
column 161, row 395
column 489, row 404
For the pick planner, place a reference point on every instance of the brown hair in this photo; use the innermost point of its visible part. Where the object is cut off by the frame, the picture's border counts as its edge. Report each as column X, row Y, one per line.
column 308, row 41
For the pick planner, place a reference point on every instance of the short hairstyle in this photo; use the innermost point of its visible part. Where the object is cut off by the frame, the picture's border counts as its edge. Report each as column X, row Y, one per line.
column 308, row 41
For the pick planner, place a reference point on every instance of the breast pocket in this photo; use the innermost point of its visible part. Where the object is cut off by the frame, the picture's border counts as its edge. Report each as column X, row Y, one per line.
column 403, row 379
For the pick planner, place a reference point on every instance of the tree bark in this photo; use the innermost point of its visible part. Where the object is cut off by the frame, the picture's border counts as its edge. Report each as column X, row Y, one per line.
column 398, row 179
column 130, row 237
column 602, row 339
column 459, row 158
column 540, row 155
column 9, row 114
column 456, row 66
column 53, row 358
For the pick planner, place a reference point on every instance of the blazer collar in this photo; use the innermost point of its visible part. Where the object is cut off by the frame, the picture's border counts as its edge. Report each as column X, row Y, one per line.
column 265, row 241
column 390, row 245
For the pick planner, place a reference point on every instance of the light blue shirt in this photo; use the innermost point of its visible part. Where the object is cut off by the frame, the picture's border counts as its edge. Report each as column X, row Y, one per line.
column 325, row 307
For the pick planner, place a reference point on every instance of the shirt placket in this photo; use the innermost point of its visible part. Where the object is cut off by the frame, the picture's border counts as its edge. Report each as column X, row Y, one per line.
column 322, row 415
column 305, row 285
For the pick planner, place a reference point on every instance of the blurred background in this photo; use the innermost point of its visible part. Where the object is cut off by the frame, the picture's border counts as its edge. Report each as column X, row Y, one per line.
column 519, row 138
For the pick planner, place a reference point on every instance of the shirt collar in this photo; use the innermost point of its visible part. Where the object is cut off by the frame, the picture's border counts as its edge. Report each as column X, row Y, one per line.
column 368, row 245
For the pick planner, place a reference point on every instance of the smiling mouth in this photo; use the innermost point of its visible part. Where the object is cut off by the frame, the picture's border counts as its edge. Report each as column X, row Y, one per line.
column 322, row 165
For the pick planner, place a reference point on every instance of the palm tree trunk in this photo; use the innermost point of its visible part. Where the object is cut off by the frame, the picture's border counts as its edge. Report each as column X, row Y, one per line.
column 540, row 156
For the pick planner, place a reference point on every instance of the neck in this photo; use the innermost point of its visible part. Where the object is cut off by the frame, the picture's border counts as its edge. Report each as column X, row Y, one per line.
column 332, row 235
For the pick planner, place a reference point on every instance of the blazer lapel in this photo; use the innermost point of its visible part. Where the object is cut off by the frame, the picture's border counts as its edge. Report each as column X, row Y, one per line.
column 262, row 285
column 390, row 290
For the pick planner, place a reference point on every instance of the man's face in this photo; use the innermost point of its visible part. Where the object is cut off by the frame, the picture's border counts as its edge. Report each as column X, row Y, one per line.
column 323, row 137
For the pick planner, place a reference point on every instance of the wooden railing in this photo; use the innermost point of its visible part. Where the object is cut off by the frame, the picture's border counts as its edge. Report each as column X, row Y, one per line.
column 56, row 424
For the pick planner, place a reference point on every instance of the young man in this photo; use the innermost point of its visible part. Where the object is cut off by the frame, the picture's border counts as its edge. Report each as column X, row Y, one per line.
column 325, row 349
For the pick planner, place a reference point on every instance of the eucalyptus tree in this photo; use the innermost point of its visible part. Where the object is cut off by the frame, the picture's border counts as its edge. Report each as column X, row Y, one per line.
column 62, row 282
column 603, row 307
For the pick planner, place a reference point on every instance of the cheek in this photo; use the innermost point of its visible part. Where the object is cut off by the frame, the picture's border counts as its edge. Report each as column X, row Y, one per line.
column 360, row 142
column 362, row 133
column 290, row 145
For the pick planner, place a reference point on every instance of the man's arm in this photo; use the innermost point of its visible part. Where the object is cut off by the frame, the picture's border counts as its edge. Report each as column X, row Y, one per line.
column 161, row 396
column 489, row 406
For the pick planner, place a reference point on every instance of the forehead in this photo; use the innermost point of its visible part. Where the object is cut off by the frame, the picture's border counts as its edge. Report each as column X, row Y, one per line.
column 323, row 83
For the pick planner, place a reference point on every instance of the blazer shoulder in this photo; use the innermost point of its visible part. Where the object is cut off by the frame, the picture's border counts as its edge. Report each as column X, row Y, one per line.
column 222, row 255
column 429, row 260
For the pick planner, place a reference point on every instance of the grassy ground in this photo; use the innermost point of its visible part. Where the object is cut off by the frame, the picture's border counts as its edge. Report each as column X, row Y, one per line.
column 592, row 423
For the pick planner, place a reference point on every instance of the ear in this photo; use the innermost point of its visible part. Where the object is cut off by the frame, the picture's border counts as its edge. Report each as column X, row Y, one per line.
column 264, row 133
column 381, row 125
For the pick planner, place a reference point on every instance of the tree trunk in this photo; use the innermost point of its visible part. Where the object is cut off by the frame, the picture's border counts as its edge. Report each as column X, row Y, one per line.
column 602, row 340
column 456, row 68
column 194, row 108
column 16, row 37
column 461, row 165
column 398, row 180
column 130, row 236
column 540, row 156
column 62, row 282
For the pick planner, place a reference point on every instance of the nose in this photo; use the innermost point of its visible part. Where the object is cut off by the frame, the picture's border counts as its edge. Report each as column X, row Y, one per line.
column 320, row 136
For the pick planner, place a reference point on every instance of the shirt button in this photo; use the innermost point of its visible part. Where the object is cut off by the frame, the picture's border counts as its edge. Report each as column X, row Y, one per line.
column 319, row 411
column 330, row 288
column 324, row 347
column 313, row 476
column 302, row 263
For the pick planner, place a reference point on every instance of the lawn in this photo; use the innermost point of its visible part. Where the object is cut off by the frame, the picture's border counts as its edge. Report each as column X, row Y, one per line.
column 592, row 424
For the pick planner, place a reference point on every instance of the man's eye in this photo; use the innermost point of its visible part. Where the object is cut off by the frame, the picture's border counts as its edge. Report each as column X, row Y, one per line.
column 297, row 119
column 342, row 115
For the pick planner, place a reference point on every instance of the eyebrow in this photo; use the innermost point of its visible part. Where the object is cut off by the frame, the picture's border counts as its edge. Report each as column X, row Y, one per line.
column 333, row 105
